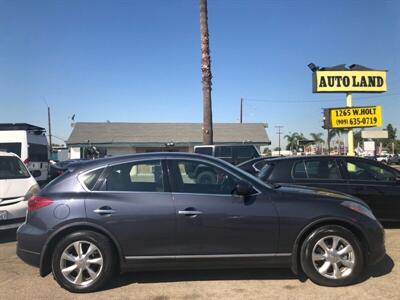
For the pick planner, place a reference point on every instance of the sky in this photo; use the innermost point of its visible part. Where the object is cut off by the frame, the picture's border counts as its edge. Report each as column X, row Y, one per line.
column 139, row 61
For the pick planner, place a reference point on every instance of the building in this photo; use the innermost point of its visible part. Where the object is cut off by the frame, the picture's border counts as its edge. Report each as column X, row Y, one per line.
column 110, row 139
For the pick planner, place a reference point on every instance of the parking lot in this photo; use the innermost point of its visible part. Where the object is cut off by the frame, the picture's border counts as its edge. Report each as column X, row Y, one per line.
column 21, row 281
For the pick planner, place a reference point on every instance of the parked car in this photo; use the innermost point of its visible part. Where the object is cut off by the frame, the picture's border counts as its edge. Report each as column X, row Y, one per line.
column 394, row 159
column 234, row 154
column 17, row 185
column 383, row 158
column 60, row 167
column 254, row 165
column 375, row 183
column 29, row 142
column 144, row 211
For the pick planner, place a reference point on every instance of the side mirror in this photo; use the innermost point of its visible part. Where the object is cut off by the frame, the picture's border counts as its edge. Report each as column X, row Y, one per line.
column 243, row 188
column 36, row 173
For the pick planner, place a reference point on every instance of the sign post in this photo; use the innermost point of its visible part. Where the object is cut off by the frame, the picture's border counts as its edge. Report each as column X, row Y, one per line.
column 350, row 137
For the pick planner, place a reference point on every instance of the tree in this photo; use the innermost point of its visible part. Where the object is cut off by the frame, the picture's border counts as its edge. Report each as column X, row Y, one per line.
column 206, row 75
column 293, row 140
column 317, row 137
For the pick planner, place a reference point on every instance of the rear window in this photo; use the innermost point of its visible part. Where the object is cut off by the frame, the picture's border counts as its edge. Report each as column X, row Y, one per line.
column 37, row 152
column 12, row 168
column 204, row 150
column 89, row 179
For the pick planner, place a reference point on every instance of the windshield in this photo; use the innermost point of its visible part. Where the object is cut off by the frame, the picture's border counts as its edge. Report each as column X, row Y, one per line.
column 12, row 168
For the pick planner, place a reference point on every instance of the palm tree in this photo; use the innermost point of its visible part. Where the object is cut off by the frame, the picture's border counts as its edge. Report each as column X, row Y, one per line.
column 206, row 75
column 318, row 140
column 292, row 139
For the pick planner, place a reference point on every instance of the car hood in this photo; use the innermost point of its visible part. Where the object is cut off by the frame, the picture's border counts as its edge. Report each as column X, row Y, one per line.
column 317, row 192
column 13, row 188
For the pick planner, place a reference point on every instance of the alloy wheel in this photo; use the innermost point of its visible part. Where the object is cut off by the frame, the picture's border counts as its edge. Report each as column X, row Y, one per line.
column 333, row 257
column 81, row 263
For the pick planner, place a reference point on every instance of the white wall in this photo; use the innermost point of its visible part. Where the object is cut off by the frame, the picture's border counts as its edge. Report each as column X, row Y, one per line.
column 74, row 153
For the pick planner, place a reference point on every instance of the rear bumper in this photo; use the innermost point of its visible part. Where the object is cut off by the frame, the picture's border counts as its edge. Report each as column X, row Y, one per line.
column 30, row 257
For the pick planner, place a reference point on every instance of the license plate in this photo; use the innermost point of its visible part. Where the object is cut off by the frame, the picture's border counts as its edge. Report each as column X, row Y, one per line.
column 3, row 215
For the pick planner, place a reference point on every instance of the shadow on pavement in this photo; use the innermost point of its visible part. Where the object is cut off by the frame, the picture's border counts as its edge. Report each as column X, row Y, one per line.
column 202, row 275
column 7, row 236
column 384, row 267
column 392, row 225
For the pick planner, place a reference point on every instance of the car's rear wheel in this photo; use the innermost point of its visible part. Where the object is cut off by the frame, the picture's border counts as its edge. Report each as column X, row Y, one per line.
column 83, row 261
column 332, row 256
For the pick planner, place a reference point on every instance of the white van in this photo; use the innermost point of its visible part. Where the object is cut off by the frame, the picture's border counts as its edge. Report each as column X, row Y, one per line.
column 29, row 142
column 17, row 185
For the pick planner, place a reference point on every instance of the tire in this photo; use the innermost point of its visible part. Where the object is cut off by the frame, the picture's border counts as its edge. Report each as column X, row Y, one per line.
column 101, row 262
column 349, row 263
column 206, row 177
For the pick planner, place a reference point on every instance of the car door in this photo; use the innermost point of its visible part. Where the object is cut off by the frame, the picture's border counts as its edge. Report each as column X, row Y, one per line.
column 321, row 172
column 212, row 219
column 133, row 202
column 376, row 184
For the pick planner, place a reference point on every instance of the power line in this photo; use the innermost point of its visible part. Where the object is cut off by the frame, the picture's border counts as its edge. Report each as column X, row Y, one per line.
column 311, row 101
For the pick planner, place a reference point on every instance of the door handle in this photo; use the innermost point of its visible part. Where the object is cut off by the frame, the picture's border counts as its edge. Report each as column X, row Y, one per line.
column 189, row 212
column 105, row 210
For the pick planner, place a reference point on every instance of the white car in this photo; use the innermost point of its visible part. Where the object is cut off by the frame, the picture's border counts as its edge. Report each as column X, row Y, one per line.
column 17, row 185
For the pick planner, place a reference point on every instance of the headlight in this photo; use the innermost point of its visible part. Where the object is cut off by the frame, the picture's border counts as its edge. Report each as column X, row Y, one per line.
column 32, row 191
column 359, row 208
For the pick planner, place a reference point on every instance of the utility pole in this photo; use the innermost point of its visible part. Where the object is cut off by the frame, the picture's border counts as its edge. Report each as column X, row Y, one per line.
column 279, row 127
column 49, row 120
column 206, row 75
column 241, row 110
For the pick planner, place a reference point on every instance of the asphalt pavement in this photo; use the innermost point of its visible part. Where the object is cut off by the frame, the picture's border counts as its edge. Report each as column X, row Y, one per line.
column 21, row 281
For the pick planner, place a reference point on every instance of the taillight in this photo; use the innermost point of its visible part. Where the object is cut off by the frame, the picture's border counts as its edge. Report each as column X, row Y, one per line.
column 26, row 162
column 37, row 202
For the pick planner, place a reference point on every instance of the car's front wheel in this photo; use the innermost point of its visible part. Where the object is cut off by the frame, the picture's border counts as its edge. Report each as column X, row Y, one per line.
column 332, row 256
column 83, row 261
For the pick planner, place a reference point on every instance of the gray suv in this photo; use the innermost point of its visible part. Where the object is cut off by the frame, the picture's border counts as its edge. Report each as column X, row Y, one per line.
column 146, row 212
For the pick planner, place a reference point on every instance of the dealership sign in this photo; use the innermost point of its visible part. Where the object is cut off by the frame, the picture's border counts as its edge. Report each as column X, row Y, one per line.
column 349, row 81
column 353, row 117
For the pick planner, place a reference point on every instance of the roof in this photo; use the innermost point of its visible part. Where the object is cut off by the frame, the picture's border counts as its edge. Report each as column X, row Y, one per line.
column 161, row 133
column 20, row 126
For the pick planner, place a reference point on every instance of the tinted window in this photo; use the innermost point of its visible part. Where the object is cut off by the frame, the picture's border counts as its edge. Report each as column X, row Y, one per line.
column 11, row 147
column 199, row 178
column 135, row 176
column 204, row 150
column 37, row 152
column 299, row 170
column 89, row 179
column 245, row 152
column 265, row 171
column 322, row 169
column 12, row 168
column 365, row 171
column 223, row 151
column 260, row 164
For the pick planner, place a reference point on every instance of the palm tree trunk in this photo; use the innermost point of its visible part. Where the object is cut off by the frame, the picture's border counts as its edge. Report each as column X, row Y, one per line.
column 206, row 75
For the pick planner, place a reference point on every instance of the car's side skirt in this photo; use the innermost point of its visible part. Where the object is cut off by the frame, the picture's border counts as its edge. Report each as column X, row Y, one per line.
column 212, row 261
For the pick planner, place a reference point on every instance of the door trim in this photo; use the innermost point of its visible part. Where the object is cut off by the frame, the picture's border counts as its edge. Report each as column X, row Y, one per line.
column 208, row 256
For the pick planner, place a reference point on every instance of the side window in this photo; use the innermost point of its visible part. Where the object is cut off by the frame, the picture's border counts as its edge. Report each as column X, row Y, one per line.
column 299, row 170
column 365, row 171
column 143, row 176
column 244, row 152
column 89, row 179
column 322, row 169
column 199, row 178
column 204, row 150
column 223, row 151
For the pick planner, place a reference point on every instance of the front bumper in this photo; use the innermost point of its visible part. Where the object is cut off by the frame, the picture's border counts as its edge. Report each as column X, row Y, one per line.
column 16, row 213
